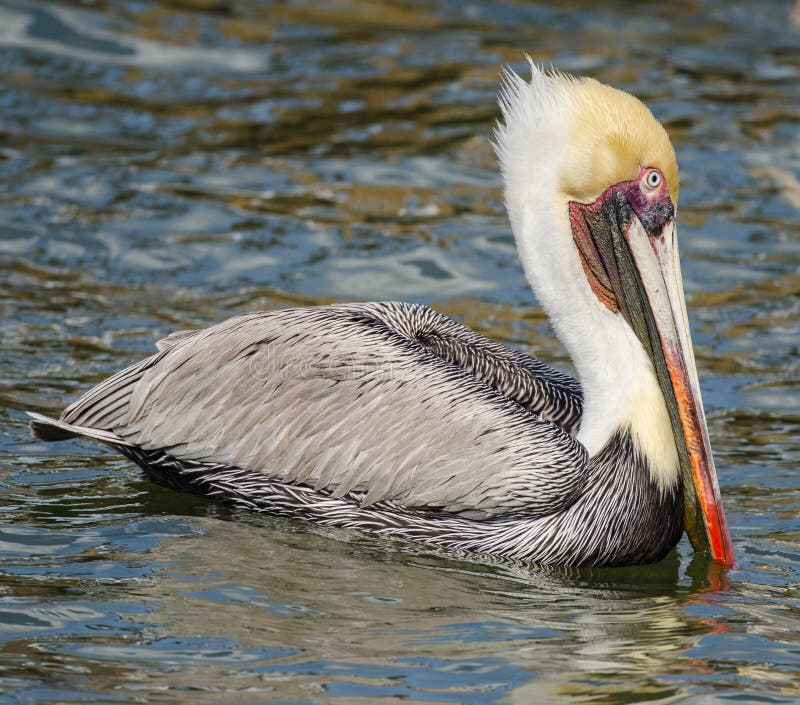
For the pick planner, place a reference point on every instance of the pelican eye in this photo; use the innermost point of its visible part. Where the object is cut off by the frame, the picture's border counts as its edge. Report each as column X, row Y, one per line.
column 653, row 179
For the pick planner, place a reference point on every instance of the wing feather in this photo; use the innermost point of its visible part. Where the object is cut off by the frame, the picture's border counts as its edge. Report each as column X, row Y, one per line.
column 375, row 401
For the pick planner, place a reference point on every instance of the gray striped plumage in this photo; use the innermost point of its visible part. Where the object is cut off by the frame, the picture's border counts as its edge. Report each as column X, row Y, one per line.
column 388, row 417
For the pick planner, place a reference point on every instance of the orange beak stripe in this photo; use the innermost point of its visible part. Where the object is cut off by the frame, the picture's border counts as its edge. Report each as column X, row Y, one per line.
column 702, row 464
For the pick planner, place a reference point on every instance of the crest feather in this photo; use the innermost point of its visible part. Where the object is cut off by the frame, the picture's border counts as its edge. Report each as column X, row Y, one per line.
column 604, row 134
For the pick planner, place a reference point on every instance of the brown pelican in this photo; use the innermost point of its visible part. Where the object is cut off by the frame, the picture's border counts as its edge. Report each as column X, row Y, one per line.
column 392, row 418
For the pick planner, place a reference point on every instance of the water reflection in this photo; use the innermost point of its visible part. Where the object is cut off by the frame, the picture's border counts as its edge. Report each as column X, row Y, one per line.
column 299, row 608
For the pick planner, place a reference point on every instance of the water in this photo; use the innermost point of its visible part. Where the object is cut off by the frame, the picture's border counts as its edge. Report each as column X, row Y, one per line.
column 164, row 165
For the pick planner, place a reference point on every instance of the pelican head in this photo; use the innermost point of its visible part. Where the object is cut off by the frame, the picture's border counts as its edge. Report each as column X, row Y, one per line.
column 591, row 187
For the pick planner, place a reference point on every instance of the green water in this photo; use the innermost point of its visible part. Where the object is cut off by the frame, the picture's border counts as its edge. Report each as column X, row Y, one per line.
column 164, row 165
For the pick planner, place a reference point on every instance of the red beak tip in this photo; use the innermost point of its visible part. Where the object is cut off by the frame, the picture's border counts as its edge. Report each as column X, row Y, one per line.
column 722, row 552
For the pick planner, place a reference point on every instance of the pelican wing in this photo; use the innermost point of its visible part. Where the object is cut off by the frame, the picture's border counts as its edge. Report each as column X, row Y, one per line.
column 378, row 402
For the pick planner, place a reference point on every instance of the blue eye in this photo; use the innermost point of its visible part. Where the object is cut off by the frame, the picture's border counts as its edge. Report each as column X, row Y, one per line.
column 653, row 179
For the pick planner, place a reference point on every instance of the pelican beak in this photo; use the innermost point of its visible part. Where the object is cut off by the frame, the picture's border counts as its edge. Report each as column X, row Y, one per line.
column 629, row 251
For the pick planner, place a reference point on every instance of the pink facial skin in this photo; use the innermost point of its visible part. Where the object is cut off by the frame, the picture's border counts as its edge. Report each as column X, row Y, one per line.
column 649, row 197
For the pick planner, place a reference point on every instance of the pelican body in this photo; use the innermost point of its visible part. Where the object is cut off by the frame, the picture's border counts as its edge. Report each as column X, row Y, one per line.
column 392, row 418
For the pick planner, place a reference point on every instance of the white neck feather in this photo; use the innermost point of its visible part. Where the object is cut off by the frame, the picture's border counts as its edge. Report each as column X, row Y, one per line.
column 619, row 385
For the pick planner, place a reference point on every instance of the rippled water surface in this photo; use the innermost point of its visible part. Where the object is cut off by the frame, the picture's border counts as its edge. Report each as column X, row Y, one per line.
column 168, row 164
